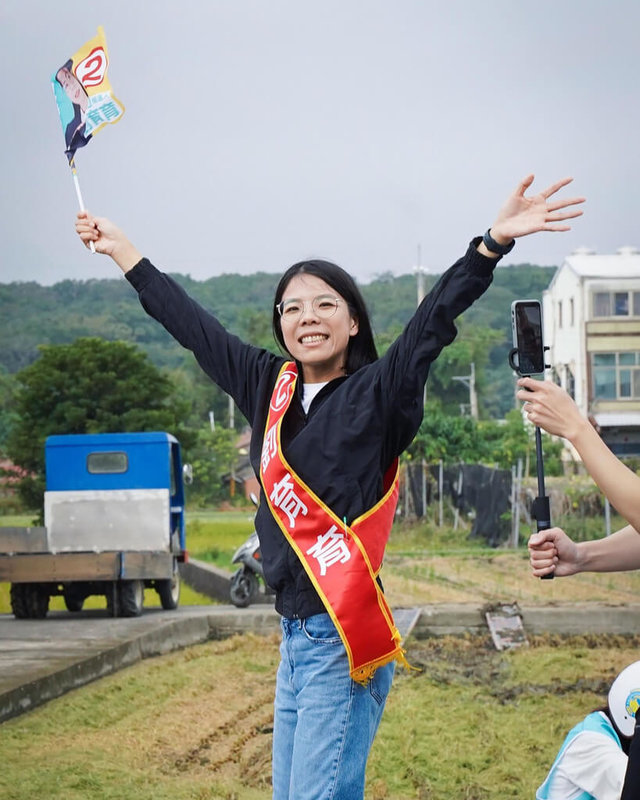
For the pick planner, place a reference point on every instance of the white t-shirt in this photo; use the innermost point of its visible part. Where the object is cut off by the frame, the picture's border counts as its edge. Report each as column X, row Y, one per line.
column 593, row 763
column 309, row 391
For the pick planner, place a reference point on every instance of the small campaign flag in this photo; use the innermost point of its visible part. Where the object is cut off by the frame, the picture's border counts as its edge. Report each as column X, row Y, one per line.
column 83, row 94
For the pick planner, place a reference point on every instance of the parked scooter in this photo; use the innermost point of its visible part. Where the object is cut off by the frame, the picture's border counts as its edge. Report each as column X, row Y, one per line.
column 245, row 583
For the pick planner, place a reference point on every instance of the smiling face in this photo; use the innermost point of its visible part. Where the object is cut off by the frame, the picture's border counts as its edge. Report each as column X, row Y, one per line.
column 318, row 342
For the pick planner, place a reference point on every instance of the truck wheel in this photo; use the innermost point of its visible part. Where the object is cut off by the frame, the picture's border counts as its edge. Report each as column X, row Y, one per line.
column 243, row 587
column 168, row 589
column 73, row 599
column 29, row 601
column 131, row 598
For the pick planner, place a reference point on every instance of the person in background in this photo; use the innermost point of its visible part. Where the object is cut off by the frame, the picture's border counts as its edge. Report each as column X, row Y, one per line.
column 592, row 761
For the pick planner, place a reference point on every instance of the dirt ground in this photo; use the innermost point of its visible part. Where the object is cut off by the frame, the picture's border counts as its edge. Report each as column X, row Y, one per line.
column 231, row 738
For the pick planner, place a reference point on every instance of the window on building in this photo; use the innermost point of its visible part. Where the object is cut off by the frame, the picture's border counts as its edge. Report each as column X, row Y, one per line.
column 621, row 304
column 601, row 304
column 559, row 313
column 572, row 317
column 616, row 376
column 616, row 304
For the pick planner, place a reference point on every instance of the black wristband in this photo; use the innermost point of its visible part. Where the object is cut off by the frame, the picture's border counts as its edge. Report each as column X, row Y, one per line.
column 491, row 244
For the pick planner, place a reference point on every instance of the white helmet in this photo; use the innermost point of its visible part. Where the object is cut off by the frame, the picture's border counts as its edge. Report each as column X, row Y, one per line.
column 624, row 699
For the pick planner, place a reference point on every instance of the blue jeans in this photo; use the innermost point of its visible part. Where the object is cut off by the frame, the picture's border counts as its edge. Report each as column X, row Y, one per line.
column 324, row 722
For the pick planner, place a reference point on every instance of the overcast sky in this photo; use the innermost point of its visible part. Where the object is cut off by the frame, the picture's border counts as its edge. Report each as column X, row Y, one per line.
column 260, row 132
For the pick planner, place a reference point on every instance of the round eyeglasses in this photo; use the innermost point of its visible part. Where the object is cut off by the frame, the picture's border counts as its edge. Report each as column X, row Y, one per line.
column 323, row 306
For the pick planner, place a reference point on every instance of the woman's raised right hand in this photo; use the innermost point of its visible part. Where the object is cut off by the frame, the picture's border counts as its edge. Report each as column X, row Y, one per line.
column 108, row 239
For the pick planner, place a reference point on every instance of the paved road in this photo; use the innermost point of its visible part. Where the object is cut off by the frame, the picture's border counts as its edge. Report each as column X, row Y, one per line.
column 42, row 659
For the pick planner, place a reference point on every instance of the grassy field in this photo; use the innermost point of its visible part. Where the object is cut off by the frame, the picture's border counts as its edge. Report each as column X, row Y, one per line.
column 471, row 724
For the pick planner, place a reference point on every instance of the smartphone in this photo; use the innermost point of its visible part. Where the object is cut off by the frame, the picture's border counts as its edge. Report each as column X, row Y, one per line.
column 526, row 325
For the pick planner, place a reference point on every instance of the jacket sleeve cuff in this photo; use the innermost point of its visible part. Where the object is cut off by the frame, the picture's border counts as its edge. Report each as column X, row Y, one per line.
column 141, row 274
column 479, row 263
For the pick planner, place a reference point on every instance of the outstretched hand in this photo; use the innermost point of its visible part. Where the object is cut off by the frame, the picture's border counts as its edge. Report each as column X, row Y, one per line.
column 522, row 215
column 107, row 239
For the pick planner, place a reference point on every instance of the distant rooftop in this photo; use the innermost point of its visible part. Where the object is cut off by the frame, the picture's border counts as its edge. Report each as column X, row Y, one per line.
column 624, row 263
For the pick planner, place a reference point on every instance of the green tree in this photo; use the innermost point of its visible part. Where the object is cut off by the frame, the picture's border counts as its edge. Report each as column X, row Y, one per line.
column 511, row 439
column 472, row 344
column 90, row 386
column 456, row 439
column 255, row 328
column 507, row 440
column 213, row 456
column 8, row 416
column 452, row 439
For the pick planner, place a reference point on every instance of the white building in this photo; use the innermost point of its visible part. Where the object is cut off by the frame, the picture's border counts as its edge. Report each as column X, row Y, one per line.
column 591, row 314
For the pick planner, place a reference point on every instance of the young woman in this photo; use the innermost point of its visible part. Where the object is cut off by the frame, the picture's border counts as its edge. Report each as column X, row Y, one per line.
column 328, row 424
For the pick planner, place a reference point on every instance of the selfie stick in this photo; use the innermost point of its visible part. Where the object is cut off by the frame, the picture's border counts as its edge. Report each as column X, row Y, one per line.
column 541, row 508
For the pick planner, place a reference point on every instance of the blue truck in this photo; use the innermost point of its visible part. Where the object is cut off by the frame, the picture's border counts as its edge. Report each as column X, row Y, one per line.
column 113, row 524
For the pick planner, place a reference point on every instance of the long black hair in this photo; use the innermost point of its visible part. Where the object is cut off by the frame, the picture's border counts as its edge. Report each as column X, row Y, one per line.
column 361, row 349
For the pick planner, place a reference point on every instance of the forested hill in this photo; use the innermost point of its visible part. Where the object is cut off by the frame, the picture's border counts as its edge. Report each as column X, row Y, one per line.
column 31, row 315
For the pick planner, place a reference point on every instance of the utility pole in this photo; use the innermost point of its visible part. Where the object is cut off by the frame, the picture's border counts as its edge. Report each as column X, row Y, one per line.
column 231, row 412
column 232, row 479
column 470, row 382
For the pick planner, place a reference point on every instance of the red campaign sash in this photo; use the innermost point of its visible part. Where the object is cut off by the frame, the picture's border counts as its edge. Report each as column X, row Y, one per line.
column 341, row 561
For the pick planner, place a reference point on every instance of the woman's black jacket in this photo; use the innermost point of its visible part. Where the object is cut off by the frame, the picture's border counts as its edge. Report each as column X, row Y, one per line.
column 356, row 425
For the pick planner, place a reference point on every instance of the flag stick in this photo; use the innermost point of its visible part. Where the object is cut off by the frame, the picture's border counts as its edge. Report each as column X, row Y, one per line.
column 76, row 183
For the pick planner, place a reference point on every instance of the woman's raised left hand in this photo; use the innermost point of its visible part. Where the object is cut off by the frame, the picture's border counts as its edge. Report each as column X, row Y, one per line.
column 522, row 215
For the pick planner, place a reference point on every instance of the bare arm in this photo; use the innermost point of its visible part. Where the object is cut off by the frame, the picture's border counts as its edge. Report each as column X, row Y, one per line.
column 553, row 551
column 551, row 408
